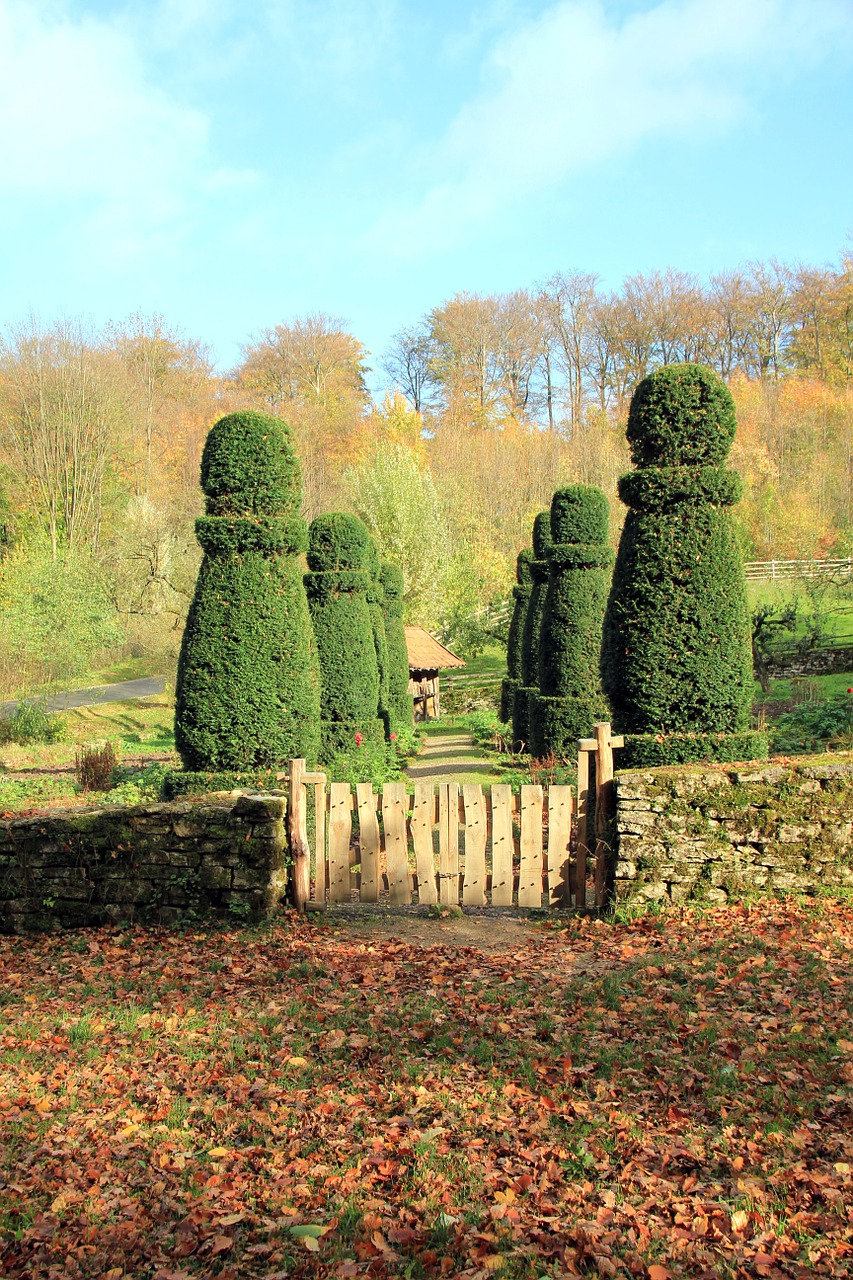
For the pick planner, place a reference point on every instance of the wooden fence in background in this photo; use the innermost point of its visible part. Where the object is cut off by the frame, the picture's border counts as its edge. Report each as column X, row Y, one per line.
column 451, row 844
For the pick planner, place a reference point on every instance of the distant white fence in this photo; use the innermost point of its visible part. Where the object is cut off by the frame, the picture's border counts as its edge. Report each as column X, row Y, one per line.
column 780, row 570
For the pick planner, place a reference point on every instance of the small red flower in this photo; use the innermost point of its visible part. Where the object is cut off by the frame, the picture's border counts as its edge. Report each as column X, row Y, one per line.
column 393, row 736
column 850, row 690
column 358, row 739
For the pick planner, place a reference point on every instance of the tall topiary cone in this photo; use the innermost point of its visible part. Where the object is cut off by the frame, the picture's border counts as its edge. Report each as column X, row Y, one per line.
column 570, row 698
column 530, row 638
column 521, row 600
column 337, row 585
column 676, row 657
column 375, row 601
column 399, row 698
column 247, row 691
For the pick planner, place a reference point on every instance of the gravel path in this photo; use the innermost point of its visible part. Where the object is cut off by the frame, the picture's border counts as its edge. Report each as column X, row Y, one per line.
column 449, row 757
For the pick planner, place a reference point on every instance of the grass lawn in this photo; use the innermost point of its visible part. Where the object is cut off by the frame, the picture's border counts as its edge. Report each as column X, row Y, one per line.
column 660, row 1098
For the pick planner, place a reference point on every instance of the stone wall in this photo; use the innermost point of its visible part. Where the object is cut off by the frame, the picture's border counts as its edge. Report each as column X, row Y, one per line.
column 719, row 832
column 158, row 863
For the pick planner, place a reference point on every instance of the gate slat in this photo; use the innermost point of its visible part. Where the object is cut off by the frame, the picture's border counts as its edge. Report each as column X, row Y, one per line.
column 502, row 845
column 421, row 823
column 396, row 845
column 583, row 829
column 559, row 845
column 320, row 841
column 448, row 844
column 474, row 884
column 530, row 869
column 368, row 840
column 340, row 834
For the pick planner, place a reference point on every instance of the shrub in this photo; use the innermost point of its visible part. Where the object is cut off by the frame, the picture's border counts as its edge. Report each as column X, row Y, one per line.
column 815, row 726
column 570, row 697
column 676, row 654
column 399, row 698
column 247, row 693
column 521, row 599
column 31, row 722
column 94, row 765
column 337, row 598
column 531, row 635
column 375, row 602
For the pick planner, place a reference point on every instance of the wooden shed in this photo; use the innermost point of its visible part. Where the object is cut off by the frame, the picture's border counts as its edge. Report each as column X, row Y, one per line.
column 427, row 656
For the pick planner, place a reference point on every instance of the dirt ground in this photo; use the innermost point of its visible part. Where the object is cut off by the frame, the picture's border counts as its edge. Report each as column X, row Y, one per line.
column 490, row 933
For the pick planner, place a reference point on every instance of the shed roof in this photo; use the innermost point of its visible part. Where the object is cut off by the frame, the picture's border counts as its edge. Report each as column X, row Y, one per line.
column 426, row 653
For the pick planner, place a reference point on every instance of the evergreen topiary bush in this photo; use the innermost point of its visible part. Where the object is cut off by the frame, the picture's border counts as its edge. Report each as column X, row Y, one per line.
column 529, row 682
column 676, row 656
column 247, row 694
column 375, row 601
column 570, row 698
column 521, row 599
column 399, row 698
column 337, row 586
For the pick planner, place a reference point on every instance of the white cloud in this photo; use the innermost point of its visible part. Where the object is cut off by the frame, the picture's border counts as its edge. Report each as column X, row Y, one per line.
column 575, row 87
column 85, row 133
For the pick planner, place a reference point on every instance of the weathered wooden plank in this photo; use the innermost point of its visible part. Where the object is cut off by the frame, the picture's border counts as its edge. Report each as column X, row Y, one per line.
column 583, row 832
column 474, row 885
column 559, row 845
column 368, row 841
column 420, row 825
column 603, row 808
column 340, row 834
column 502, row 845
column 448, row 844
column 530, row 868
column 394, row 805
column 298, row 835
column 320, row 841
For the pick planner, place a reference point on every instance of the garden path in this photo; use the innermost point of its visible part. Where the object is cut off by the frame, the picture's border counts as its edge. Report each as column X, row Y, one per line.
column 449, row 757
column 147, row 687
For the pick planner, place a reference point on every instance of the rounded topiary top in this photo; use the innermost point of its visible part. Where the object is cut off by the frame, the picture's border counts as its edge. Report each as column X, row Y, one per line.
column 523, row 571
column 249, row 467
column 391, row 577
column 542, row 540
column 580, row 513
column 681, row 415
column 338, row 541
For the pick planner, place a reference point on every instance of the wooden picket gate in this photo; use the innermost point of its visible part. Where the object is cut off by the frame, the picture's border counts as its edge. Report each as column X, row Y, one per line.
column 450, row 845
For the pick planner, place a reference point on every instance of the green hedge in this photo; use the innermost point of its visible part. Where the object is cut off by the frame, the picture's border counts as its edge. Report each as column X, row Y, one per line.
column 650, row 750
column 528, row 682
column 521, row 600
column 570, row 698
column 200, row 783
column 337, row 586
column 247, row 694
column 676, row 655
column 376, row 601
column 399, row 698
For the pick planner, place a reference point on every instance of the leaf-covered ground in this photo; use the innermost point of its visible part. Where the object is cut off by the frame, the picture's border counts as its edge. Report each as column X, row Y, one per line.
column 666, row 1098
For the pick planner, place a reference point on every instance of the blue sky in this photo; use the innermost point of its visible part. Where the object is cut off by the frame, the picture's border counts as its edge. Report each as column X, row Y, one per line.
column 231, row 165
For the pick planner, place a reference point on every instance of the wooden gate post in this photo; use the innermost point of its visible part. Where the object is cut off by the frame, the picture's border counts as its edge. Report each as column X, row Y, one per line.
column 297, row 831
column 604, row 806
column 297, row 834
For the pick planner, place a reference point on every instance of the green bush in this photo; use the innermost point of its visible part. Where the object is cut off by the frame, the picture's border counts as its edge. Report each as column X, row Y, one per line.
column 676, row 657
column 399, row 698
column 31, row 722
column 648, row 750
column 376, row 601
column 337, row 585
column 815, row 726
column 529, row 683
column 570, row 698
column 247, row 694
column 521, row 599
column 191, row 782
